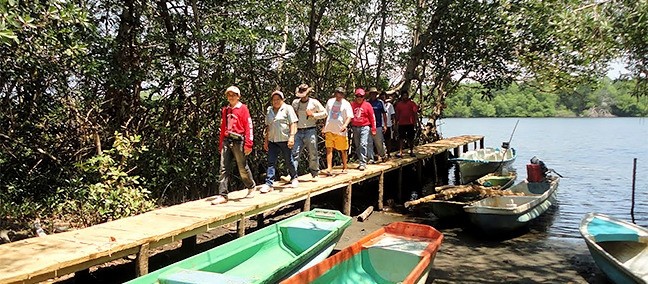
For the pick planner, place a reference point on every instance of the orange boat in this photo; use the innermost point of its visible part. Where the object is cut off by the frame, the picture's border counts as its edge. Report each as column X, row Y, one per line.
column 398, row 253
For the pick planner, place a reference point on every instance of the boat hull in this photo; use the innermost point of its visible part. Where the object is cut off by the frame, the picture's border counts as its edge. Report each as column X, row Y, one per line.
column 508, row 213
column 446, row 209
column 264, row 256
column 477, row 163
column 619, row 249
column 371, row 260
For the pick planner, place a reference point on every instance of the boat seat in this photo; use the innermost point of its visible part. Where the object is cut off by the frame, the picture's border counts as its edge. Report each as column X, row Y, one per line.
column 197, row 277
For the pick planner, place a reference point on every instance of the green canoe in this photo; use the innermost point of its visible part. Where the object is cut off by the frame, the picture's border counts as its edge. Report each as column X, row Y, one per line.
column 265, row 256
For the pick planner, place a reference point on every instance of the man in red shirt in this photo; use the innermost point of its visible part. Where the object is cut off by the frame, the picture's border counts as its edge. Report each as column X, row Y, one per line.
column 406, row 119
column 362, row 122
column 235, row 144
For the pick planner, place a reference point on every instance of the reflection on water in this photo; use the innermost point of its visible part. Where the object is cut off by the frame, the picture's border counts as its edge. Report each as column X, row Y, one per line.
column 593, row 154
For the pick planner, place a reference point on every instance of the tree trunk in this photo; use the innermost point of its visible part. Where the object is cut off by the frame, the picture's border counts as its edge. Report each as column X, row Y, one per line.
column 123, row 87
column 417, row 52
column 381, row 43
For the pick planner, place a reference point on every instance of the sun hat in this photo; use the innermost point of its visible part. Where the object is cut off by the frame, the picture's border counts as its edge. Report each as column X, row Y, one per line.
column 339, row 90
column 278, row 93
column 359, row 92
column 303, row 90
column 233, row 89
column 372, row 90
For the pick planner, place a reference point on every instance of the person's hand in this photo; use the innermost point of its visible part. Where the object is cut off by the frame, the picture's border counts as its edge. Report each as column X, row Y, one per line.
column 309, row 112
column 384, row 129
column 247, row 151
column 373, row 132
column 265, row 145
column 343, row 128
column 291, row 141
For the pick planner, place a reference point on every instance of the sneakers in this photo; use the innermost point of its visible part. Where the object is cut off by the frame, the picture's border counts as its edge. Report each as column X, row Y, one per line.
column 362, row 168
column 399, row 155
column 266, row 188
column 371, row 162
column 219, row 199
column 294, row 183
column 251, row 192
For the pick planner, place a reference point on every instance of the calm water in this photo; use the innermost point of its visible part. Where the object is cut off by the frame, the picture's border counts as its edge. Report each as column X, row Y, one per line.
column 593, row 154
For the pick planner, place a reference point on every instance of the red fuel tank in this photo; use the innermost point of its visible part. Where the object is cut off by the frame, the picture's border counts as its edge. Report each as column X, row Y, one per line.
column 534, row 173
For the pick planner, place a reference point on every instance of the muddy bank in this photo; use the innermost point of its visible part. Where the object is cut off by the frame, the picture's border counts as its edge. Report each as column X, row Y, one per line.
column 465, row 256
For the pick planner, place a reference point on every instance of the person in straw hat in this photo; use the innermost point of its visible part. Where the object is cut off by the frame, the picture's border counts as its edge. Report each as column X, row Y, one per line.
column 308, row 110
column 235, row 143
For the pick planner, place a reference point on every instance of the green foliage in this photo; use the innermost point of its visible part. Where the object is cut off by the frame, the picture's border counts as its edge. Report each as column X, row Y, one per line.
column 525, row 100
column 109, row 191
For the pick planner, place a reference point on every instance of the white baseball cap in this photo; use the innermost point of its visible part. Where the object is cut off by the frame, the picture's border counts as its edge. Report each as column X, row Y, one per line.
column 233, row 89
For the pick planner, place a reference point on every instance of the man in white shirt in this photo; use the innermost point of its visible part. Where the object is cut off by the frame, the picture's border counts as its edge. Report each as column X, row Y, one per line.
column 389, row 109
column 340, row 114
column 308, row 110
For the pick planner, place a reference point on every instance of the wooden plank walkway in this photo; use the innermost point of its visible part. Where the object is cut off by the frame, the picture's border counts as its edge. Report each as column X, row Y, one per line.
column 37, row 259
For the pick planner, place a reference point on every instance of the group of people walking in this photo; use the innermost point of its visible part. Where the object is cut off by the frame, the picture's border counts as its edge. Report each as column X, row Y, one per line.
column 291, row 129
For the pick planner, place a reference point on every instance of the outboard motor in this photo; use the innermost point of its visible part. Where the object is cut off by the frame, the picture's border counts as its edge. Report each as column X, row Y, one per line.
column 537, row 170
column 505, row 145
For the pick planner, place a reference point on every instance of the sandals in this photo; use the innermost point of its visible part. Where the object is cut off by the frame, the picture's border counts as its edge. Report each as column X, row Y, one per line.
column 326, row 173
column 219, row 199
column 251, row 192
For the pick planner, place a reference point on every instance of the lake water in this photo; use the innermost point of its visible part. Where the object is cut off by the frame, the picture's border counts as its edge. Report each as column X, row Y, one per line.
column 595, row 156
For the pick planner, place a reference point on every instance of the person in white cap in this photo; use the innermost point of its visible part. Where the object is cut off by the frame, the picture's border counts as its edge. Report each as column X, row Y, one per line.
column 235, row 144
column 308, row 110
column 281, row 127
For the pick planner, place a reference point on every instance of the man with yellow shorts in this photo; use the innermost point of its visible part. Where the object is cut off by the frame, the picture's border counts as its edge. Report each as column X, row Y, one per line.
column 339, row 116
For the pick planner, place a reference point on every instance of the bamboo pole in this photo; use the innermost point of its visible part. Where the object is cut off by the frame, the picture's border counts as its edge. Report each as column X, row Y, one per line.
column 634, row 178
column 381, row 190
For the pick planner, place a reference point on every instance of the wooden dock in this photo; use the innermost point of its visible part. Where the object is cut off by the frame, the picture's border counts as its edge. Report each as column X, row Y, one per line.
column 37, row 259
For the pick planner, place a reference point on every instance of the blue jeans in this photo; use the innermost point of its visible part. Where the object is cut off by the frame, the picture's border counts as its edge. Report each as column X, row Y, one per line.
column 377, row 140
column 307, row 138
column 273, row 153
column 233, row 151
column 360, row 141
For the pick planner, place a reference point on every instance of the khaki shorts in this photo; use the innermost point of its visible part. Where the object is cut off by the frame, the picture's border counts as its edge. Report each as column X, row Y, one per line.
column 337, row 142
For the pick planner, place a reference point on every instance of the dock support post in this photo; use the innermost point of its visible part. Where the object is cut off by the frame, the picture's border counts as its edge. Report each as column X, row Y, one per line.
column 347, row 199
column 189, row 243
column 465, row 147
column 481, row 143
column 475, row 145
column 240, row 225
column 307, row 203
column 456, row 152
column 381, row 190
column 436, row 170
column 400, row 184
column 141, row 263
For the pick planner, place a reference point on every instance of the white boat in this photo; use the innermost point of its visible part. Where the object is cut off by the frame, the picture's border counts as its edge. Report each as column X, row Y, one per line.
column 507, row 213
column 619, row 248
column 477, row 163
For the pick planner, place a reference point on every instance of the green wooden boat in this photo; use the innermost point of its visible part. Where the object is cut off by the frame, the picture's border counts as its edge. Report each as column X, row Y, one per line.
column 398, row 253
column 265, row 256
